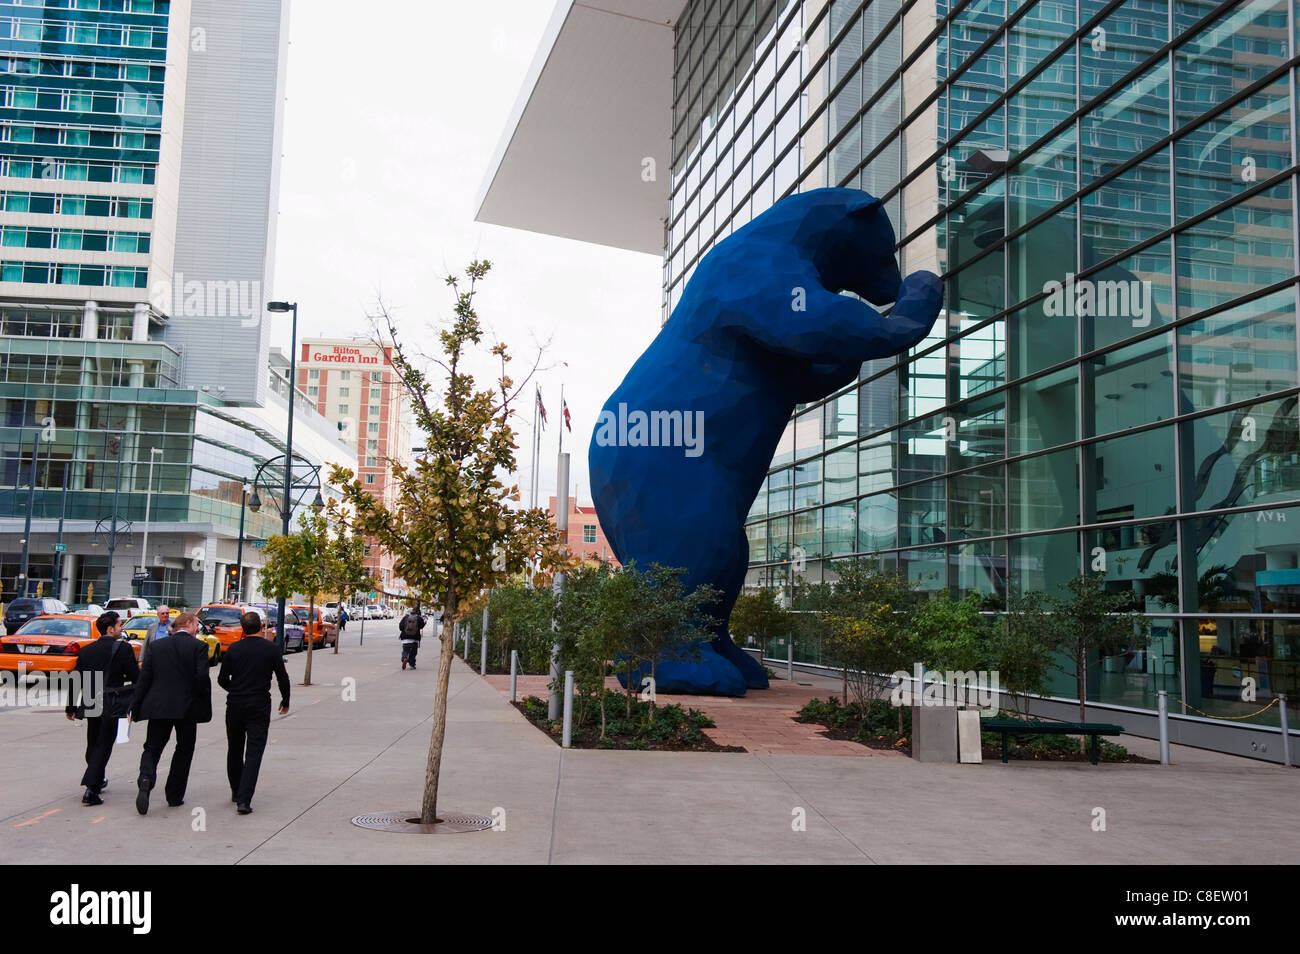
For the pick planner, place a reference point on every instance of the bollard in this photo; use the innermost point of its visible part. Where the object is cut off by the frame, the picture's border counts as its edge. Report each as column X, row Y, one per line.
column 568, row 708
column 482, row 647
column 1286, row 732
column 514, row 673
column 789, row 658
column 1163, row 706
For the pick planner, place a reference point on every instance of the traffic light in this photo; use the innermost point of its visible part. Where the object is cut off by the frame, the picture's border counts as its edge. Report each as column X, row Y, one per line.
column 232, row 580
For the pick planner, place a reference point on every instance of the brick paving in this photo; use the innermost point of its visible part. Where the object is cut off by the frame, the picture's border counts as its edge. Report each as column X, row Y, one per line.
column 762, row 721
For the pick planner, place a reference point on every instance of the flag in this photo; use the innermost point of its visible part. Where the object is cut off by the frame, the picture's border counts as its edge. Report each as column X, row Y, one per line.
column 564, row 408
column 541, row 408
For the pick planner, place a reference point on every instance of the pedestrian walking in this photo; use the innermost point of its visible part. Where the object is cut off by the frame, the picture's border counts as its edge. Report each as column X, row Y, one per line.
column 343, row 617
column 163, row 629
column 103, row 670
column 245, row 674
column 174, row 693
column 409, row 632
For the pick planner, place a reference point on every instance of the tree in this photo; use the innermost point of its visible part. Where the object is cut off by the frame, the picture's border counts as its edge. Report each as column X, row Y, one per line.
column 346, row 570
column 452, row 531
column 660, row 620
column 1022, row 646
column 952, row 634
column 869, row 633
column 589, row 631
column 300, row 563
column 1091, row 619
column 759, row 615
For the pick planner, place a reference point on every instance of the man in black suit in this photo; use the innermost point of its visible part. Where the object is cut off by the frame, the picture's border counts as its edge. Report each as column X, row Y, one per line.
column 107, row 663
column 174, row 692
column 246, row 674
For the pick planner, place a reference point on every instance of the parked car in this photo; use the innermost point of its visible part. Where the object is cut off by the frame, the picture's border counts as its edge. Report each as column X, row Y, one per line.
column 51, row 643
column 323, row 631
column 128, row 606
column 372, row 612
column 222, row 621
column 24, row 608
column 295, row 636
column 330, row 611
column 143, row 627
column 86, row 609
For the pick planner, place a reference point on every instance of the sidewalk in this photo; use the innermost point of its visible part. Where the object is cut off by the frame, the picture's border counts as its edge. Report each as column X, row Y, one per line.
column 331, row 759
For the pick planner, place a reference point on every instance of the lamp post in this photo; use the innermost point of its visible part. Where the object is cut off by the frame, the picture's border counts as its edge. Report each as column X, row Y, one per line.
column 280, row 307
column 239, row 551
column 148, row 501
column 27, row 530
column 313, row 479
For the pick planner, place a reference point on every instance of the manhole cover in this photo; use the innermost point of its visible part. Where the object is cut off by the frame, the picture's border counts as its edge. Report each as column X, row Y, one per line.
column 449, row 823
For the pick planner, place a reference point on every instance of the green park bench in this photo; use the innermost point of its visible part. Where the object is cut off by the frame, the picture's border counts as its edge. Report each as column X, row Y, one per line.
column 1016, row 727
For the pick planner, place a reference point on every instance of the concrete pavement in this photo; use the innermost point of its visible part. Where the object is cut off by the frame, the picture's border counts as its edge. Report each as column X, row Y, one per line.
column 333, row 758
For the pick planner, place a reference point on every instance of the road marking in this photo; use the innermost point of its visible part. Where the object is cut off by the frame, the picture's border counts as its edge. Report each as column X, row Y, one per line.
column 98, row 820
column 33, row 821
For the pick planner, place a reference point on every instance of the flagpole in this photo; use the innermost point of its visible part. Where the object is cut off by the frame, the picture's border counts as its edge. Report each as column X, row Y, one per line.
column 532, row 490
column 561, row 421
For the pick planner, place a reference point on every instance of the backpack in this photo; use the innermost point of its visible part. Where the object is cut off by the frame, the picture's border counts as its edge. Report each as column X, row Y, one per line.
column 410, row 626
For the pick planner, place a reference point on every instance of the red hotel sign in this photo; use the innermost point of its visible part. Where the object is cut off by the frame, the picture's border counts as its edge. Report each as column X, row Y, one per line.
column 342, row 354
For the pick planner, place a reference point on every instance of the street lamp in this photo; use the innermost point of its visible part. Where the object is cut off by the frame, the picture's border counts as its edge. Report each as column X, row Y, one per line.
column 239, row 553
column 280, row 307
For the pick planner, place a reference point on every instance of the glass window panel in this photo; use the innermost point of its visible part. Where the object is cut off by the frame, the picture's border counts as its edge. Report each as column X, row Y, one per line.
column 1247, row 562
column 876, row 463
column 1131, row 477
column 1228, row 54
column 1242, row 248
column 1125, row 123
column 1129, row 297
column 808, row 484
column 977, row 431
column 878, row 522
column 1239, row 353
column 841, row 529
column 980, row 568
column 1248, row 143
column 1044, row 491
column 1044, row 562
column 841, row 474
column 923, row 513
column 1241, row 457
column 1126, row 37
column 1127, row 209
column 978, row 502
column 1038, row 258
column 1130, row 386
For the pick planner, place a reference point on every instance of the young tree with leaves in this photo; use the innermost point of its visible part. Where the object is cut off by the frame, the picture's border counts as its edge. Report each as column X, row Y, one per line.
column 759, row 615
column 300, row 563
column 346, row 568
column 1090, row 620
column 451, row 530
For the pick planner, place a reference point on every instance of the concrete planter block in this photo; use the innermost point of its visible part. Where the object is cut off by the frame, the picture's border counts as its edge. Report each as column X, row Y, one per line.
column 934, row 734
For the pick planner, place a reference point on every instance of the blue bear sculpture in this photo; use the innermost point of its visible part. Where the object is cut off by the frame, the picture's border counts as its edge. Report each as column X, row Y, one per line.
column 683, row 445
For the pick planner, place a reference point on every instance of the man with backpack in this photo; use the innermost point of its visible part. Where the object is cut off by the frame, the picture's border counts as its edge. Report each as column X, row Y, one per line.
column 409, row 632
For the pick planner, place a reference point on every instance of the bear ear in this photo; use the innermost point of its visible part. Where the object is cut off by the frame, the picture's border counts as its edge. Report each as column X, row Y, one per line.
column 862, row 204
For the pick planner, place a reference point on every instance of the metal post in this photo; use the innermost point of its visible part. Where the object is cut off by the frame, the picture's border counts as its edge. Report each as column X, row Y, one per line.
column 1286, row 731
column 568, row 708
column 239, row 551
column 112, row 536
column 514, row 673
column 288, row 458
column 561, row 524
column 482, row 649
column 363, row 627
column 1162, row 702
column 27, row 530
column 789, row 657
column 148, row 501
column 63, row 513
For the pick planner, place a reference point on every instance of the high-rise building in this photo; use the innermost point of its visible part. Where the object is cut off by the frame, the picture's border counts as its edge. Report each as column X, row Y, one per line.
column 139, row 166
column 352, row 384
column 1109, row 191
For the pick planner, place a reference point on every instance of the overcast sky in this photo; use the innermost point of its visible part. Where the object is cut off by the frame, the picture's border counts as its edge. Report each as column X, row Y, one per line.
column 392, row 114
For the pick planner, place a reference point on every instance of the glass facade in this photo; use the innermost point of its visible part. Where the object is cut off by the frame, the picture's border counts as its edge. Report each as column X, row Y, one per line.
column 1109, row 193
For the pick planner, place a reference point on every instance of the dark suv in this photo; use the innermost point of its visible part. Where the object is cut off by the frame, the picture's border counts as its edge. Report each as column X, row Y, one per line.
column 24, row 608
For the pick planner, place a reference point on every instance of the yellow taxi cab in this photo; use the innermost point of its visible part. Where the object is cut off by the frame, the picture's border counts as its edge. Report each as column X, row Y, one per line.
column 142, row 626
column 51, row 643
column 221, row 620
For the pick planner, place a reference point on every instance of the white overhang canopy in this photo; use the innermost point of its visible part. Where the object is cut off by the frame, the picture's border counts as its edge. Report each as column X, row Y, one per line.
column 595, row 105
